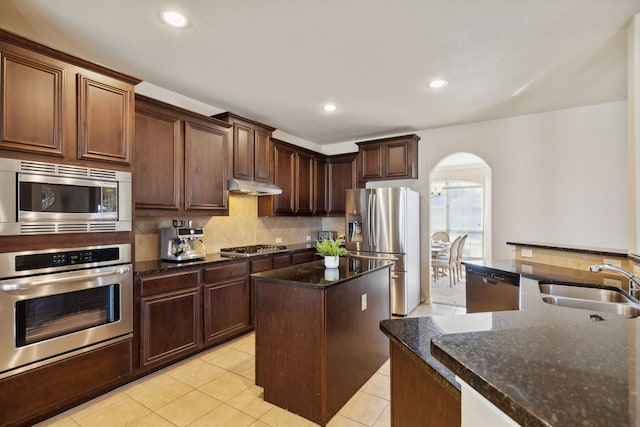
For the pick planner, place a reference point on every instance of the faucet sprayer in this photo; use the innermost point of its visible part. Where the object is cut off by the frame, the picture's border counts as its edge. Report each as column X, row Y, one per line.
column 634, row 282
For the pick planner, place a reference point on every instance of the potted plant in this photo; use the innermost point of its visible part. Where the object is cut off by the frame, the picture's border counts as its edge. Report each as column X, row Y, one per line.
column 331, row 249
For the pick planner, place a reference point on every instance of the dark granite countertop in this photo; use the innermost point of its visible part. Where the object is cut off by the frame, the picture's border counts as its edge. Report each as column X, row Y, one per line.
column 314, row 274
column 542, row 365
column 573, row 248
column 156, row 266
column 141, row 268
column 545, row 272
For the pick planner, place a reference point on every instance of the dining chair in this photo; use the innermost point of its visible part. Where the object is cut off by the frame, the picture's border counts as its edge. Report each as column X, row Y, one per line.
column 463, row 240
column 448, row 263
column 441, row 236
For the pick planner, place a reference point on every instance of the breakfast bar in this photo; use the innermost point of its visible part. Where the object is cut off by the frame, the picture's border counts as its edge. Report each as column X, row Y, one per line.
column 317, row 334
column 542, row 365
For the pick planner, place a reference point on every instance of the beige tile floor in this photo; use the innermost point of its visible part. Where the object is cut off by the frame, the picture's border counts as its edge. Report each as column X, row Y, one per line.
column 216, row 388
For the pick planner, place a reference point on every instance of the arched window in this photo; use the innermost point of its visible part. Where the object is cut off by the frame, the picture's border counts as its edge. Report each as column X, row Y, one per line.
column 458, row 201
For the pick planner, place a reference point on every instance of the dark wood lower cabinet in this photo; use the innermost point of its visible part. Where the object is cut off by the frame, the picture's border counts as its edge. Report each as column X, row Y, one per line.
column 41, row 392
column 170, row 326
column 226, row 302
column 183, row 312
column 420, row 398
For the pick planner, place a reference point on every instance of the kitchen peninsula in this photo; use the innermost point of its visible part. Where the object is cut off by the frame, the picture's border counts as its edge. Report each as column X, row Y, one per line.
column 317, row 333
column 542, row 365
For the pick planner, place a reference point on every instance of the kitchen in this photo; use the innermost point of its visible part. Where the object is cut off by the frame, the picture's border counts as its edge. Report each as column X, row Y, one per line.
column 522, row 189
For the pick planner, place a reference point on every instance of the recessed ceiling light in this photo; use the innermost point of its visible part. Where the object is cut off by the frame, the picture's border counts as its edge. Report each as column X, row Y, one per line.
column 437, row 84
column 329, row 108
column 175, row 19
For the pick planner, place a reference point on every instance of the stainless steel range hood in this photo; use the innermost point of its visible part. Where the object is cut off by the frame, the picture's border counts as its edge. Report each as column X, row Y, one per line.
column 252, row 188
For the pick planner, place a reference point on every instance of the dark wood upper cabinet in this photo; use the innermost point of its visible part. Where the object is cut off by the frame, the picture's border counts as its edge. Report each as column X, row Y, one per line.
column 304, row 183
column 28, row 82
column 181, row 161
column 251, row 148
column 321, row 182
column 105, row 119
column 55, row 104
column 388, row 158
column 284, row 158
column 206, row 155
column 342, row 176
column 157, row 162
column 294, row 172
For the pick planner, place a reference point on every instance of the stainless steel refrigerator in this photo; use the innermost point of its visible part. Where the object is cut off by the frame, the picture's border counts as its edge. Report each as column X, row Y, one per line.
column 385, row 223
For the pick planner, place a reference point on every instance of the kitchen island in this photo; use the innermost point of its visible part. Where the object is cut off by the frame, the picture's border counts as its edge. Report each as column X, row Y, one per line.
column 543, row 365
column 317, row 334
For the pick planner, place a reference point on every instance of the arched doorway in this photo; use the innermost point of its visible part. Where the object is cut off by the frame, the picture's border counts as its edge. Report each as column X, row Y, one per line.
column 460, row 196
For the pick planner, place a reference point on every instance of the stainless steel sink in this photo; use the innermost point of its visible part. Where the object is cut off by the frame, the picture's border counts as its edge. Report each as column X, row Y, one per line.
column 583, row 292
column 609, row 300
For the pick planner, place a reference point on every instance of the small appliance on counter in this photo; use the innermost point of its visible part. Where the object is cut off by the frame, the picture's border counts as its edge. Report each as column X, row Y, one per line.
column 182, row 243
column 327, row 235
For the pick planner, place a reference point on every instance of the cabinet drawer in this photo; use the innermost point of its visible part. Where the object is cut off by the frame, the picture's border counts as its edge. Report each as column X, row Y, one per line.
column 170, row 282
column 261, row 264
column 281, row 260
column 226, row 273
column 300, row 257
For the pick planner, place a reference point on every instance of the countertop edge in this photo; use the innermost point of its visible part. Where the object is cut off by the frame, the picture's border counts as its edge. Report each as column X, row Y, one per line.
column 268, row 275
column 502, row 401
column 451, row 386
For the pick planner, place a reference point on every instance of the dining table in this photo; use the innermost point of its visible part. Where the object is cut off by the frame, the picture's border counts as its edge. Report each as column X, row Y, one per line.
column 438, row 247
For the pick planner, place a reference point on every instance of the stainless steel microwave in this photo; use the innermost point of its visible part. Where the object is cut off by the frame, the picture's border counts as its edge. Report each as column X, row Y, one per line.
column 48, row 198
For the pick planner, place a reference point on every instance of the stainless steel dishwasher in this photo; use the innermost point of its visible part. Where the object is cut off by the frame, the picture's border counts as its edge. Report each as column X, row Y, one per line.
column 491, row 290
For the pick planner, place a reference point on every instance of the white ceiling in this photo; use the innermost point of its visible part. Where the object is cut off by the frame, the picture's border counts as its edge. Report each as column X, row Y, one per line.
column 279, row 61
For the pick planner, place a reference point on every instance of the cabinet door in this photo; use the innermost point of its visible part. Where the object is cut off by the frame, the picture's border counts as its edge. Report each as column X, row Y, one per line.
column 371, row 162
column 170, row 326
column 226, row 310
column 262, row 156
column 243, row 152
column 320, row 178
column 105, row 119
column 342, row 176
column 399, row 162
column 32, row 105
column 304, row 184
column 284, row 172
column 157, row 160
column 206, row 156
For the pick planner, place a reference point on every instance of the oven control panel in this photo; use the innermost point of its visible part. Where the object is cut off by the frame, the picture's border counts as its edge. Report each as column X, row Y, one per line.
column 52, row 260
column 59, row 259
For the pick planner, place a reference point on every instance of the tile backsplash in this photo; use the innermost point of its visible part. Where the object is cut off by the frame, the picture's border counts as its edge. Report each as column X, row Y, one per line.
column 242, row 227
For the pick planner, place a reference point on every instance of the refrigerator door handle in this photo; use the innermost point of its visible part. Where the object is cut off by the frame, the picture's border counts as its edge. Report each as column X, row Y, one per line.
column 369, row 220
column 374, row 237
column 376, row 257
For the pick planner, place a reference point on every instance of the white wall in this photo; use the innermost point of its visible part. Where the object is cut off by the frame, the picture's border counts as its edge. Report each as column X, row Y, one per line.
column 557, row 177
column 633, row 99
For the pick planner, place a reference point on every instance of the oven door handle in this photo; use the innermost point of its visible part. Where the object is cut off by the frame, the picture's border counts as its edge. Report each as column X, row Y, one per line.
column 68, row 278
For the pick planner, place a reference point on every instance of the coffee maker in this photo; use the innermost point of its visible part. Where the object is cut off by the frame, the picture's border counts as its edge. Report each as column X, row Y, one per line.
column 182, row 242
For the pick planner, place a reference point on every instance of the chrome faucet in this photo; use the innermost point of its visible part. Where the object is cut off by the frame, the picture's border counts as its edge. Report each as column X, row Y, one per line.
column 634, row 282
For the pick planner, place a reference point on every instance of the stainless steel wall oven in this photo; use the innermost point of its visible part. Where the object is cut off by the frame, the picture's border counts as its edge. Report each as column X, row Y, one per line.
column 44, row 198
column 55, row 303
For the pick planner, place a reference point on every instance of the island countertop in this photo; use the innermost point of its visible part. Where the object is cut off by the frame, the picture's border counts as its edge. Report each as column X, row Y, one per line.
column 542, row 365
column 314, row 274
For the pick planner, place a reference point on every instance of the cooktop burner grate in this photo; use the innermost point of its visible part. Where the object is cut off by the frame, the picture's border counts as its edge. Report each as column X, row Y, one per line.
column 252, row 250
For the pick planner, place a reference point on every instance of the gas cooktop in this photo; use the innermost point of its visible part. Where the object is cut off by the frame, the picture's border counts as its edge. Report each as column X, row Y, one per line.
column 252, row 250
